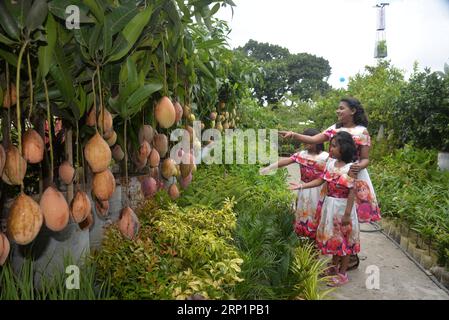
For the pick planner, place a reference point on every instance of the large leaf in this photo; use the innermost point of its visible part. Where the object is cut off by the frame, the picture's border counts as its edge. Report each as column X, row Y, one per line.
column 120, row 17
column 37, row 14
column 132, row 31
column 94, row 40
column 45, row 53
column 120, row 43
column 8, row 23
column 107, row 38
column 19, row 10
column 214, row 9
column 136, row 100
column 204, row 69
column 6, row 40
column 60, row 72
column 9, row 57
column 96, row 9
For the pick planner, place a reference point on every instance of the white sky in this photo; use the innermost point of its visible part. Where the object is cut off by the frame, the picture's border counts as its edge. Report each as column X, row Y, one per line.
column 344, row 31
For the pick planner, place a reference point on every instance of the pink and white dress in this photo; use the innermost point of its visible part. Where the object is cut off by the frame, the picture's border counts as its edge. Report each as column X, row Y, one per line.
column 331, row 236
column 366, row 202
column 312, row 167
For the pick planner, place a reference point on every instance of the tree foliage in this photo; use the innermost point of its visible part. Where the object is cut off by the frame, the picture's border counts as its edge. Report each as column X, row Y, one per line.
column 421, row 112
column 285, row 73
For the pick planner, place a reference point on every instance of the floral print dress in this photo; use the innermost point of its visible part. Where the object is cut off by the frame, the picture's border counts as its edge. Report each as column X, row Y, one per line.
column 312, row 167
column 366, row 202
column 331, row 236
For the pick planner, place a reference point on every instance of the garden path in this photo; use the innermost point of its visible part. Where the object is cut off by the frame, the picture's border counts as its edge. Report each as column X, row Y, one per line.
column 400, row 278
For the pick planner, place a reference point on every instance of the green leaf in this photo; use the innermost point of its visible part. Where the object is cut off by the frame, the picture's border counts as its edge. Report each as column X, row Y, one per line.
column 120, row 17
column 208, row 44
column 8, row 23
column 60, row 72
column 204, row 69
column 120, row 43
column 95, row 9
column 9, row 57
column 214, row 9
column 6, row 40
column 107, row 38
column 37, row 14
column 132, row 31
column 143, row 93
column 45, row 53
column 94, row 40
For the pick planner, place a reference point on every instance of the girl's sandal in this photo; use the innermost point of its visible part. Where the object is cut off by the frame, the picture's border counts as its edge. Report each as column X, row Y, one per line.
column 330, row 270
column 338, row 280
column 353, row 262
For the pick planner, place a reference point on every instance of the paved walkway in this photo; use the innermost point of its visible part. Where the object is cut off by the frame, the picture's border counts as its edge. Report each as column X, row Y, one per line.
column 399, row 277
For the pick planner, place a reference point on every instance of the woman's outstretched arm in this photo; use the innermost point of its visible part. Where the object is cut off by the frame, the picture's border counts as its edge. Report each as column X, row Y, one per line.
column 318, row 138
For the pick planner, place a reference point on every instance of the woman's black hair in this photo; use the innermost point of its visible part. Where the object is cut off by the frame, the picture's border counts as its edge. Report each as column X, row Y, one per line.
column 348, row 149
column 312, row 132
column 359, row 117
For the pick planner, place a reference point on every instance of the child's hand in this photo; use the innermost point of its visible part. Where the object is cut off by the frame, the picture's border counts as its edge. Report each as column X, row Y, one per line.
column 345, row 220
column 354, row 170
column 264, row 171
column 295, row 186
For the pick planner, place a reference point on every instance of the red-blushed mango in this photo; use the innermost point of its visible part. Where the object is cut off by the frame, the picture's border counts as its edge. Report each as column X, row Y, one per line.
column 187, row 164
column 173, row 191
column 25, row 219
column 4, row 248
column 15, row 166
column 149, row 187
column 32, row 146
column 160, row 142
column 185, row 182
column 91, row 117
column 179, row 111
column 168, row 168
column 128, row 223
column 80, row 207
column 146, row 133
column 97, row 153
column 165, row 113
column 108, row 124
column 55, row 209
column 2, row 159
column 10, row 99
column 117, row 153
column 103, row 185
column 154, row 159
column 66, row 172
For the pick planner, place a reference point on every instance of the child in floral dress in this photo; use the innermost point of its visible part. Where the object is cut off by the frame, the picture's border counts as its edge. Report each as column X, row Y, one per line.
column 338, row 231
column 312, row 161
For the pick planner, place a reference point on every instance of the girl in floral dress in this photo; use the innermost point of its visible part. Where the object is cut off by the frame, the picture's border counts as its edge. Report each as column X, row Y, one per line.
column 351, row 119
column 338, row 231
column 312, row 162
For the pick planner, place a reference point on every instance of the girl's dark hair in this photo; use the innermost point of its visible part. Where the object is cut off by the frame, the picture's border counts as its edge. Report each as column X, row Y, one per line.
column 360, row 117
column 312, row 132
column 348, row 150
